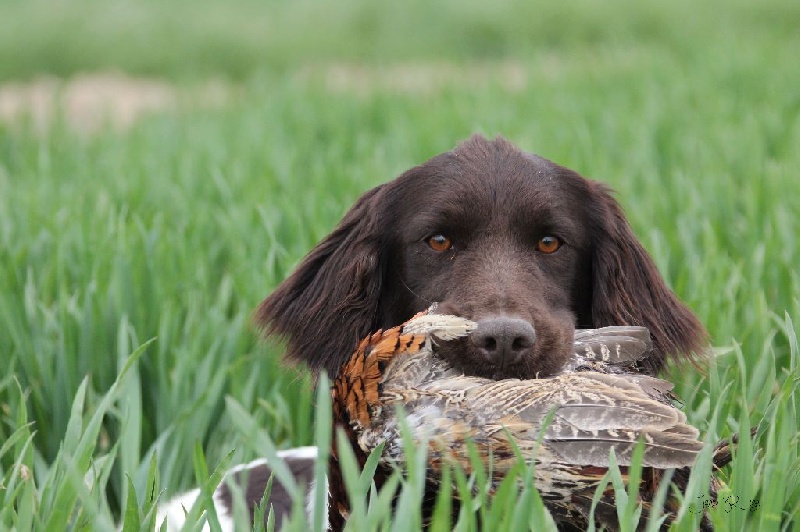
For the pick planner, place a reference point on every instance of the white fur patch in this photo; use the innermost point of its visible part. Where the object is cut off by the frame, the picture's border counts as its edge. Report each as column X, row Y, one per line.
column 175, row 509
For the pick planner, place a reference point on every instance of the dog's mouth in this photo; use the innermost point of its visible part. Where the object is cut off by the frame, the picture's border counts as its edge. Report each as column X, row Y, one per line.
column 542, row 360
column 463, row 356
column 507, row 346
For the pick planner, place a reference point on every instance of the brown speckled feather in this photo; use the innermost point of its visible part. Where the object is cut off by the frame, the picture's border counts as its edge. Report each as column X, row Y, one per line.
column 595, row 406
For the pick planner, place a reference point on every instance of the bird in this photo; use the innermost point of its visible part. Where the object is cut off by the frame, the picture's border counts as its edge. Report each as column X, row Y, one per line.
column 567, row 423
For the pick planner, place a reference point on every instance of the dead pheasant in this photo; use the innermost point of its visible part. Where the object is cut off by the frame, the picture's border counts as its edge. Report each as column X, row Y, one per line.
column 595, row 404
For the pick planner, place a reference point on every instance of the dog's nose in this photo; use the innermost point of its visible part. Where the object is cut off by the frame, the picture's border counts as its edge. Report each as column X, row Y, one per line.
column 503, row 340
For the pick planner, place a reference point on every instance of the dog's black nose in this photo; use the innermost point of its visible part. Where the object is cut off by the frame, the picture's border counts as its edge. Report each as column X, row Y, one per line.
column 503, row 340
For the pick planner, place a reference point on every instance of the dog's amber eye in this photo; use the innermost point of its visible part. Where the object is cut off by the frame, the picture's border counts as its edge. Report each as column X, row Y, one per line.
column 548, row 244
column 439, row 243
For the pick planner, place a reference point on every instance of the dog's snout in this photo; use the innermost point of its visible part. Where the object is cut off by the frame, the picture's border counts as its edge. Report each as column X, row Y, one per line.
column 504, row 340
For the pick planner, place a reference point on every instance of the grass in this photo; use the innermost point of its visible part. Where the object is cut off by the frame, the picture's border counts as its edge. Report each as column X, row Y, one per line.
column 130, row 261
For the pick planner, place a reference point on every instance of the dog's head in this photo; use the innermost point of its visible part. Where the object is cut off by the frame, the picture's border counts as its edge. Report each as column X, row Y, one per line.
column 528, row 249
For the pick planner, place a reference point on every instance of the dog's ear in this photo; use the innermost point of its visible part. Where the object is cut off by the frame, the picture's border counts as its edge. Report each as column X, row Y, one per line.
column 627, row 289
column 330, row 301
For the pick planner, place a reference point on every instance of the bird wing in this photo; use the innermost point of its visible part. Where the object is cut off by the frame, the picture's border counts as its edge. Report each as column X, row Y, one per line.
column 592, row 412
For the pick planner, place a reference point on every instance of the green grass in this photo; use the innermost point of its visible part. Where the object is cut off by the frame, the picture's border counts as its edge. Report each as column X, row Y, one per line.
column 160, row 240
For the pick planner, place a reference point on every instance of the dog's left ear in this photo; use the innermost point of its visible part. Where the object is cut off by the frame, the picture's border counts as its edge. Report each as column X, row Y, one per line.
column 627, row 289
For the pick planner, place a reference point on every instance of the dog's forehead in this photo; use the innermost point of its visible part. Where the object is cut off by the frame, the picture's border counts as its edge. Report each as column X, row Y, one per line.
column 479, row 151
column 493, row 170
column 492, row 183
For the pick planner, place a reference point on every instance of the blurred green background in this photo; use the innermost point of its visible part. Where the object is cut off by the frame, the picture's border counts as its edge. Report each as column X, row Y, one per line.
column 163, row 165
column 183, row 39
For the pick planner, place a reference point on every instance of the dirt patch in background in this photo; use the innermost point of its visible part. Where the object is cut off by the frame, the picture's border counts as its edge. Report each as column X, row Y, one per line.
column 88, row 102
column 414, row 78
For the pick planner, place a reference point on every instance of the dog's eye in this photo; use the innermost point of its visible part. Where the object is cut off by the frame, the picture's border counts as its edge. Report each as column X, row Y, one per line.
column 439, row 243
column 548, row 244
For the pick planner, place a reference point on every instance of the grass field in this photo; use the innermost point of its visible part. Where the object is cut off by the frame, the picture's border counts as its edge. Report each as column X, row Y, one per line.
column 132, row 257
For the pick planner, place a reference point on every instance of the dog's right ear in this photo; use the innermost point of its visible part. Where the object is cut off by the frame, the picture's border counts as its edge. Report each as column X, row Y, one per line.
column 330, row 301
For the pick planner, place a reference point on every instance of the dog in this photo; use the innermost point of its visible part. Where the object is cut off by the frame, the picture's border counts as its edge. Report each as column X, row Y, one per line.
column 527, row 249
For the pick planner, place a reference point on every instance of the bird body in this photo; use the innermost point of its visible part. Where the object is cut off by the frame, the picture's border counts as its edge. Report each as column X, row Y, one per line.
column 566, row 424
